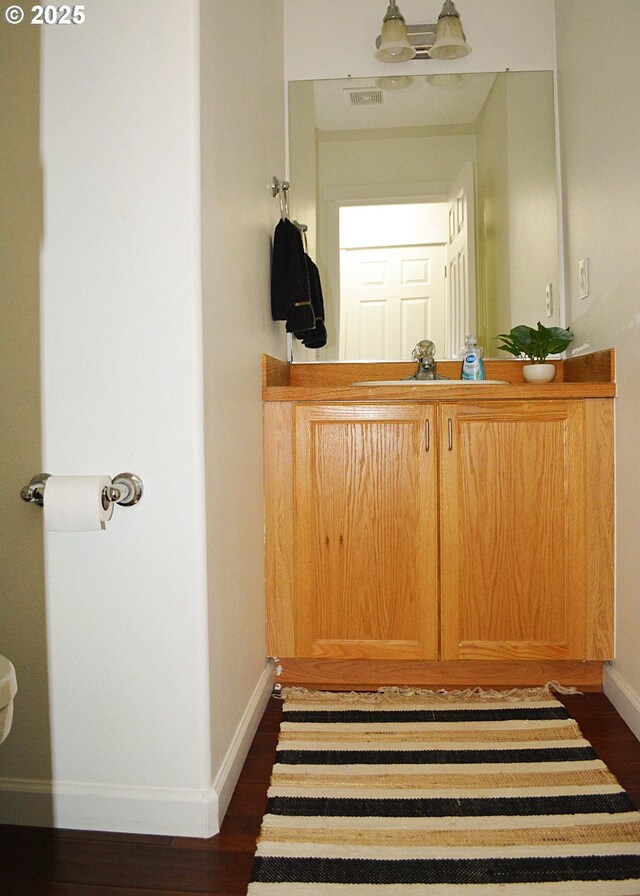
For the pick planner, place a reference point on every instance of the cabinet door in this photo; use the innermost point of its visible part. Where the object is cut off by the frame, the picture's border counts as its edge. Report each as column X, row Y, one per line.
column 365, row 532
column 513, row 533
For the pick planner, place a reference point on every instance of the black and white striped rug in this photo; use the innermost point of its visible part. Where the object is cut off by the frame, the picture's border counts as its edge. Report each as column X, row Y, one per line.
column 442, row 794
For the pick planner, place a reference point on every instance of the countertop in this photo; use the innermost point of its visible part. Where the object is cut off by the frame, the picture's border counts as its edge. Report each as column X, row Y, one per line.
column 586, row 376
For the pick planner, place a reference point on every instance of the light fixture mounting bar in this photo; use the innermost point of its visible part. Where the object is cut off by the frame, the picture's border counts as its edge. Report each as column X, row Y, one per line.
column 421, row 38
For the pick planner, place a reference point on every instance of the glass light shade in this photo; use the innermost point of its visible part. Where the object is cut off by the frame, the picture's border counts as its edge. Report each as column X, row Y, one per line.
column 394, row 82
column 394, row 44
column 450, row 40
column 446, row 81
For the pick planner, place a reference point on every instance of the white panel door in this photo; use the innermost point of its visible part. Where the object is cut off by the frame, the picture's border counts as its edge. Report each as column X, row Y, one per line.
column 391, row 297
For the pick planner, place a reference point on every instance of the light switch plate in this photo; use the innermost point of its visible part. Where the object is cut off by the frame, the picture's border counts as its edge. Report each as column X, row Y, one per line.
column 583, row 277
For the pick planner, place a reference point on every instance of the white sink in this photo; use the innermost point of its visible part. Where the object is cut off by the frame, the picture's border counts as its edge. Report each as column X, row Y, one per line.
column 431, row 383
column 8, row 688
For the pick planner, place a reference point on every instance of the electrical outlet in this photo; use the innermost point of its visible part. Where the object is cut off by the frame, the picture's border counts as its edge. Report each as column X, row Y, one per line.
column 549, row 299
column 583, row 277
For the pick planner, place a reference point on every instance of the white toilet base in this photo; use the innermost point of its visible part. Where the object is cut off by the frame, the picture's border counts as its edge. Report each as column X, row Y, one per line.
column 8, row 689
column 6, row 717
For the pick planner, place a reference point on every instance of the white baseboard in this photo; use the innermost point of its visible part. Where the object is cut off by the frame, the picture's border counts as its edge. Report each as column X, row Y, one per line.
column 178, row 812
column 229, row 772
column 623, row 696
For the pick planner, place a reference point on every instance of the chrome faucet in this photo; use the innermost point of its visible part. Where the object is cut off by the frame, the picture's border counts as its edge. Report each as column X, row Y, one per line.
column 424, row 354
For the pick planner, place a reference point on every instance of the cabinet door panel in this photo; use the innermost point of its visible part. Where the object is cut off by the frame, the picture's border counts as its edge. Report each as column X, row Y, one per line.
column 365, row 539
column 513, row 532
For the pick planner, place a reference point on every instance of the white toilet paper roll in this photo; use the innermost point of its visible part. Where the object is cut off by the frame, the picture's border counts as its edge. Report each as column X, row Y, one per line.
column 74, row 503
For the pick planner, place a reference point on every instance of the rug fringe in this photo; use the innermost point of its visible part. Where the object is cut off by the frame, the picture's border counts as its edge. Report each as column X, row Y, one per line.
column 383, row 694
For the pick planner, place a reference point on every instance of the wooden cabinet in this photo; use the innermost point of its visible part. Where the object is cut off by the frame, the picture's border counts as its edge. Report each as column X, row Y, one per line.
column 365, row 533
column 440, row 532
column 513, row 533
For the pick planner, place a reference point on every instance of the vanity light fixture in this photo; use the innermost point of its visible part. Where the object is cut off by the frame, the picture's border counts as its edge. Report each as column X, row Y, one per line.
column 400, row 42
column 393, row 43
column 451, row 42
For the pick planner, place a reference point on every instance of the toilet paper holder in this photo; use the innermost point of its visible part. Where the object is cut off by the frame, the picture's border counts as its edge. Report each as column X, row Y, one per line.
column 125, row 489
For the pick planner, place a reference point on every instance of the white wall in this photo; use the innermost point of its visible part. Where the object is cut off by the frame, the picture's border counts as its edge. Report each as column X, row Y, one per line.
column 600, row 145
column 493, row 198
column 140, row 650
column 242, row 148
column 532, row 197
column 364, row 226
column 23, row 636
column 125, row 610
column 517, row 186
column 336, row 38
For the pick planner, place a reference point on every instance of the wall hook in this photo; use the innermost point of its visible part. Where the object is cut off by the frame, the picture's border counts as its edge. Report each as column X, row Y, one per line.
column 281, row 187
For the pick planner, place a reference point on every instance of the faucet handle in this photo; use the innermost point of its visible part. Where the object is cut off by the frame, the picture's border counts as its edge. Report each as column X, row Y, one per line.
column 425, row 350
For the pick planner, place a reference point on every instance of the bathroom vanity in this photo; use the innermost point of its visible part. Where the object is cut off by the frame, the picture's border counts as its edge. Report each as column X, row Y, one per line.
column 442, row 533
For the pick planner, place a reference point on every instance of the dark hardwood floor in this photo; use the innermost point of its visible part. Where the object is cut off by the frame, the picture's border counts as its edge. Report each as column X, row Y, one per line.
column 43, row 862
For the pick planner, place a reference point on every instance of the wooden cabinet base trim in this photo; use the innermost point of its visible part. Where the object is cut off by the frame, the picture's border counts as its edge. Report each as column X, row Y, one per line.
column 368, row 650
column 514, row 650
column 334, row 674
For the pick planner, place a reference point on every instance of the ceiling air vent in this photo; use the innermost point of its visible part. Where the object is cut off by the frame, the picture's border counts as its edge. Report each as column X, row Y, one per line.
column 367, row 97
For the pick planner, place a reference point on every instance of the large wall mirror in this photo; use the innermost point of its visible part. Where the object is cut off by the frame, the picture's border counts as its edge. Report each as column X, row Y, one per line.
column 431, row 208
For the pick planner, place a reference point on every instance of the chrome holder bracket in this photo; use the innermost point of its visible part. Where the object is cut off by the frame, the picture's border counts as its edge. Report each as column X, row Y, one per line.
column 126, row 489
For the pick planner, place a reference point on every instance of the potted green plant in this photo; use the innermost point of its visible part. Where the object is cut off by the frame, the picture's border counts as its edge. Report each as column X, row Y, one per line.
column 537, row 345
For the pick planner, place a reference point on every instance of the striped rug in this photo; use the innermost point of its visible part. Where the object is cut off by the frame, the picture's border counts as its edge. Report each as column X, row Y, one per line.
column 419, row 793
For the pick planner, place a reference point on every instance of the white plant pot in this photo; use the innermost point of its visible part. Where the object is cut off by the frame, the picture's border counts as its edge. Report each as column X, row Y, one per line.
column 539, row 373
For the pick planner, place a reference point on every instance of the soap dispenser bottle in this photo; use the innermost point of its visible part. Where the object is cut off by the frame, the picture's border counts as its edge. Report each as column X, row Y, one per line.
column 472, row 363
